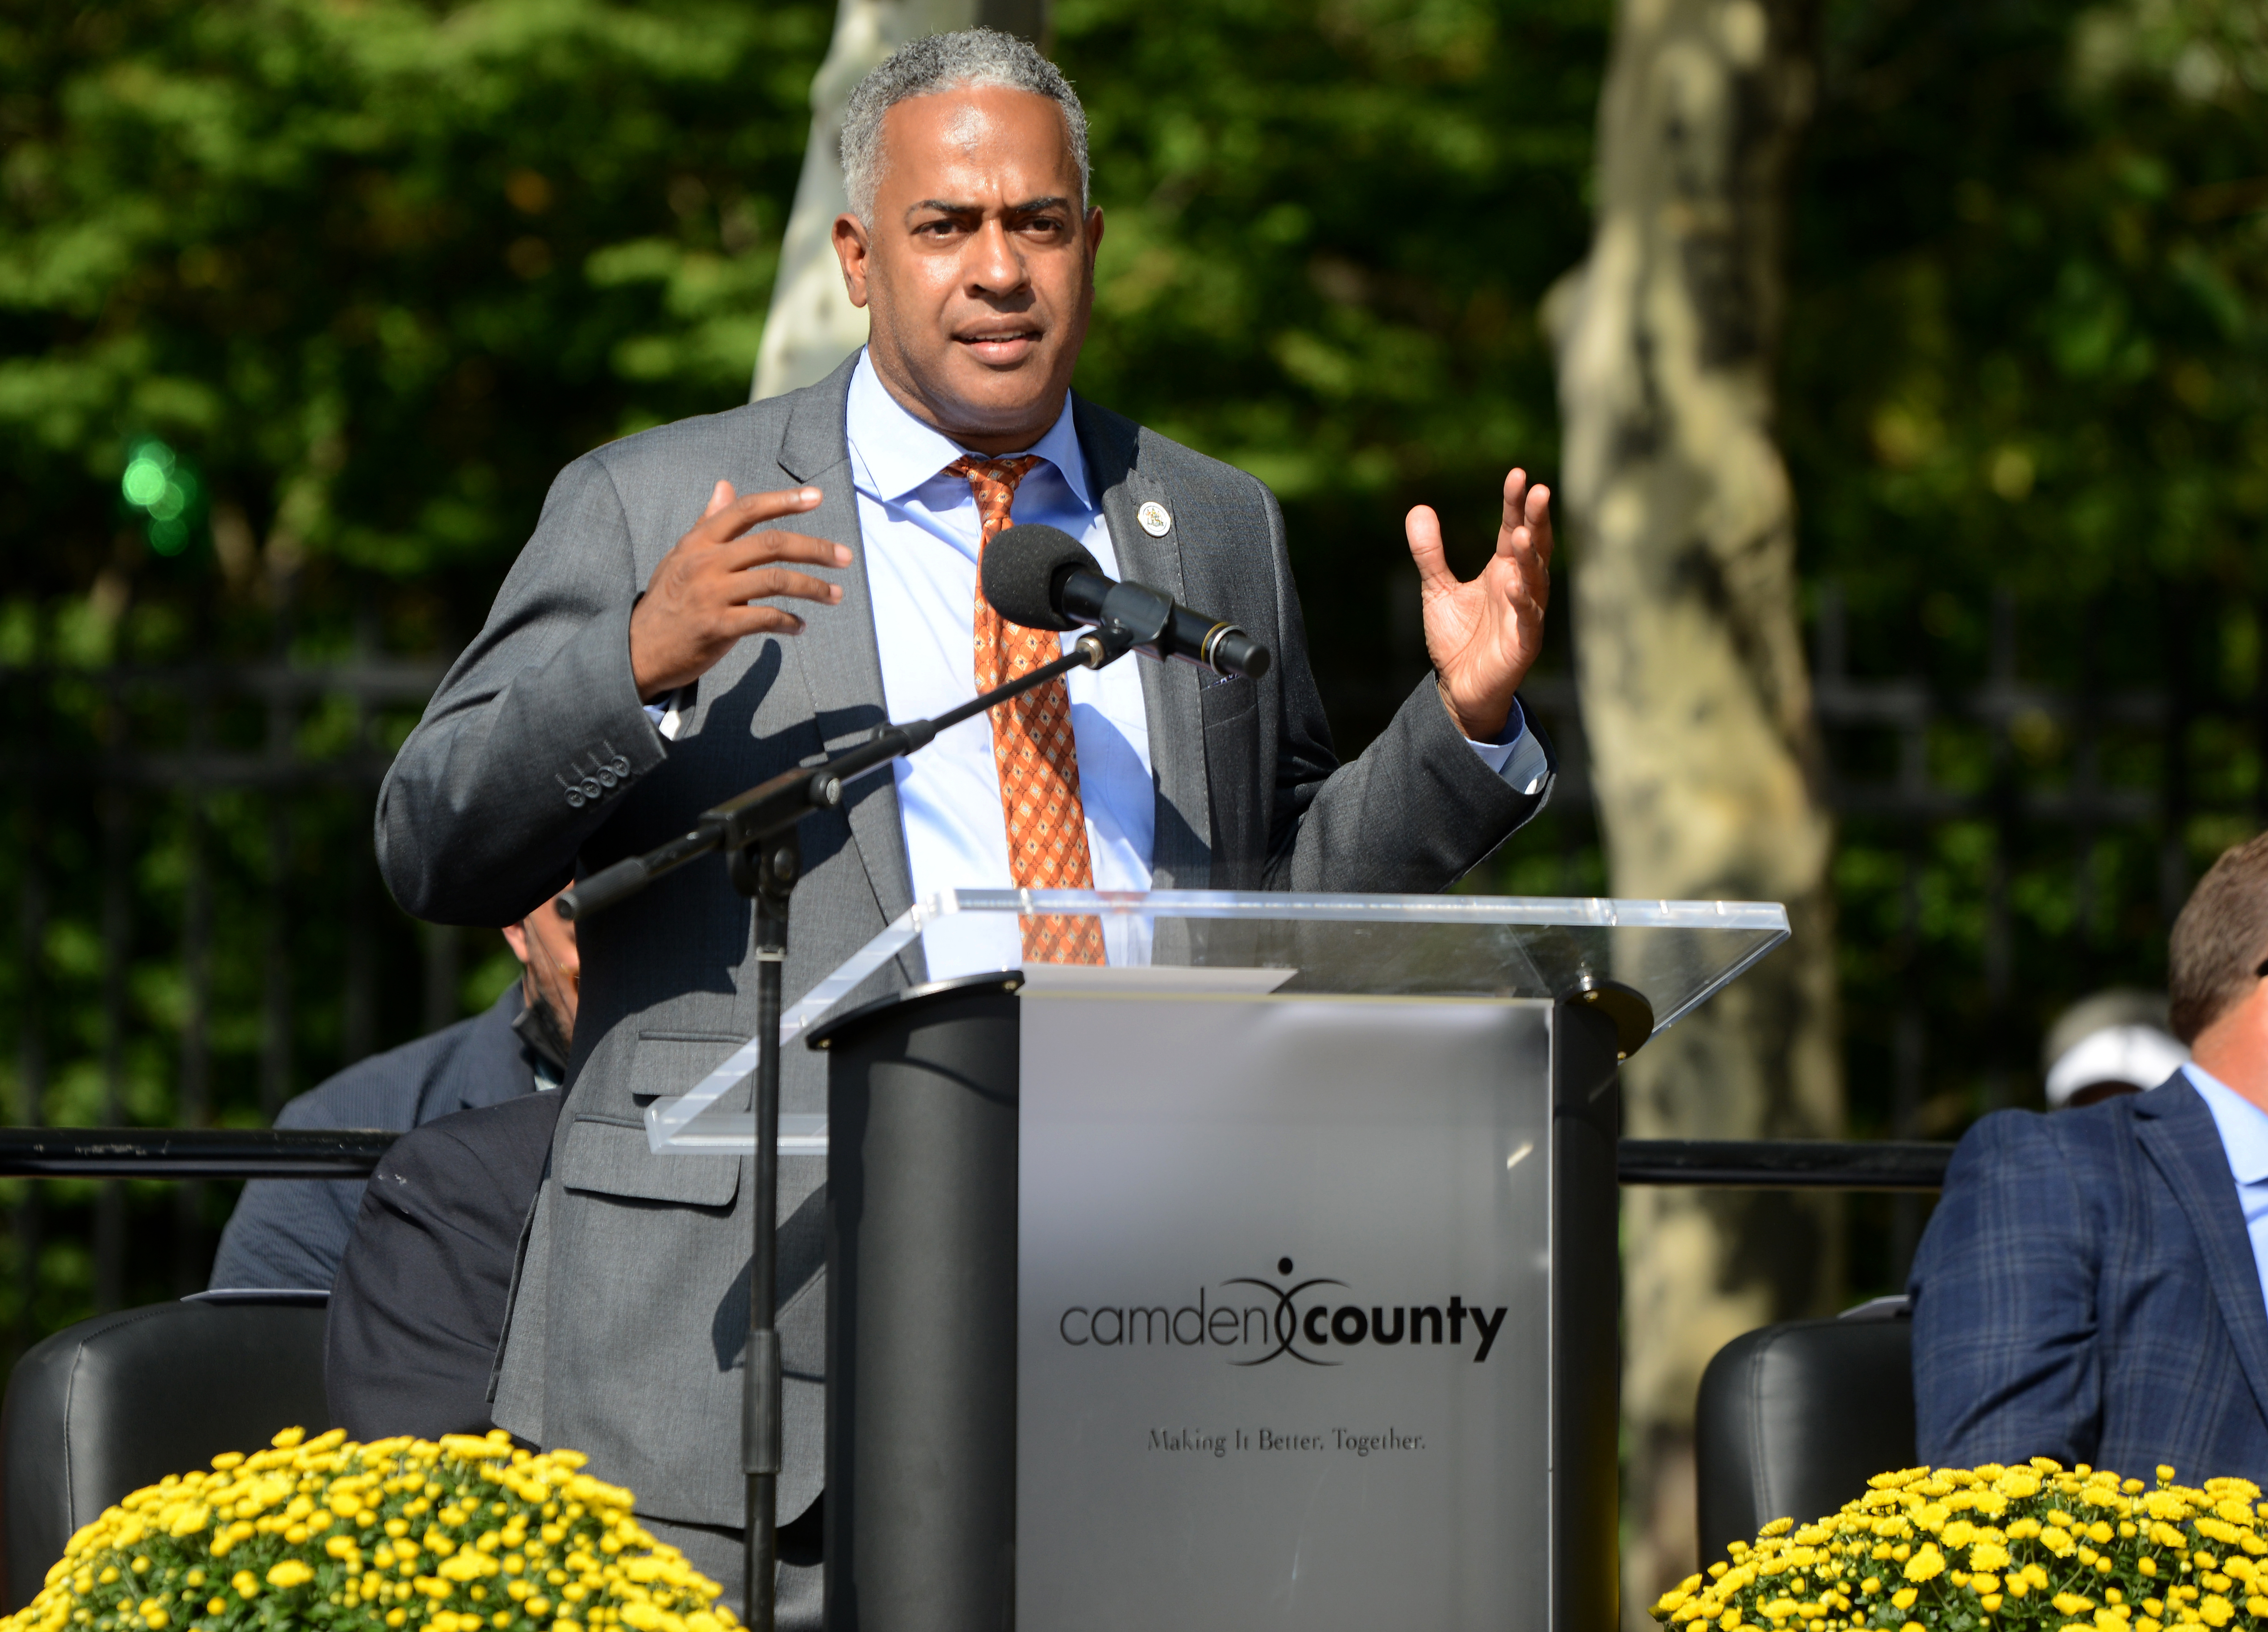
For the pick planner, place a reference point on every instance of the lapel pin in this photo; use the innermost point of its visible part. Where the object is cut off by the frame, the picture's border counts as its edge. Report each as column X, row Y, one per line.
column 1156, row 520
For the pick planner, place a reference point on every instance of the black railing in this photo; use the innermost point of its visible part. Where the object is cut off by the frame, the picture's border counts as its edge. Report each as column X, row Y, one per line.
column 190, row 1153
column 1786, row 1163
column 225, row 1153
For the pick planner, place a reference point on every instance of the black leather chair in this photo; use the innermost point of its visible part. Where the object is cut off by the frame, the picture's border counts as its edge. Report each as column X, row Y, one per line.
column 118, row 1402
column 1793, row 1420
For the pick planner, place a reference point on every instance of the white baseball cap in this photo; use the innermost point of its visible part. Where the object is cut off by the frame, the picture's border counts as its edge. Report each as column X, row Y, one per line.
column 2138, row 1055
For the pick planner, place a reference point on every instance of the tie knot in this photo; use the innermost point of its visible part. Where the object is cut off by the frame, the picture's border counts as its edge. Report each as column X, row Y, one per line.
column 1006, row 472
column 993, row 482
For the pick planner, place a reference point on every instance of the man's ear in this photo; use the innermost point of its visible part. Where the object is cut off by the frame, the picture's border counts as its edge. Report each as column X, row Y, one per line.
column 1093, row 233
column 851, row 246
column 516, row 938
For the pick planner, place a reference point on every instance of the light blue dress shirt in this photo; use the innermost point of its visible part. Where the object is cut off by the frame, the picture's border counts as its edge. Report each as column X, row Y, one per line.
column 921, row 534
column 2244, row 1137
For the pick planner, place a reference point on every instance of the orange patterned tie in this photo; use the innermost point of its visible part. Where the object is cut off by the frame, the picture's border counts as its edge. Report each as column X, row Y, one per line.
column 1032, row 745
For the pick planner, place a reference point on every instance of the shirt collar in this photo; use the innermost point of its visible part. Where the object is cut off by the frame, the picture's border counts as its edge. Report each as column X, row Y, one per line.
column 2243, row 1126
column 900, row 453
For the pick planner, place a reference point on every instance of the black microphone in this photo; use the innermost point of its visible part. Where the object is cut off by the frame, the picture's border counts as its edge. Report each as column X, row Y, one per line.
column 1043, row 577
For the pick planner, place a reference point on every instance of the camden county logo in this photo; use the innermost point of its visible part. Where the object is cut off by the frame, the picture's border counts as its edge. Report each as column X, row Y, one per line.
column 1302, row 1320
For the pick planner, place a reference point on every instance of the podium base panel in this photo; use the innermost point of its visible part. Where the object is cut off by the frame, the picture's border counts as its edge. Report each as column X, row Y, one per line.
column 921, row 1260
column 926, row 1256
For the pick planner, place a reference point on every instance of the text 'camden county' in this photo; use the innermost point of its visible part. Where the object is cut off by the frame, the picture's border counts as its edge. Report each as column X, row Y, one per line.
column 1259, row 1330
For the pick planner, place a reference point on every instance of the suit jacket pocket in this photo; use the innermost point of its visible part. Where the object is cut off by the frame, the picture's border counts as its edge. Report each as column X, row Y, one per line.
column 669, row 1063
column 610, row 1159
column 1224, row 702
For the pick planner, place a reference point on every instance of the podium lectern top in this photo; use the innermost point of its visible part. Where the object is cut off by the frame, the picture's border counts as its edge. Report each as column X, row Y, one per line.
column 1672, row 954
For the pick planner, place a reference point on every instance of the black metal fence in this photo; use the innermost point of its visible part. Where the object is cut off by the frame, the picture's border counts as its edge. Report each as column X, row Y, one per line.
column 200, row 932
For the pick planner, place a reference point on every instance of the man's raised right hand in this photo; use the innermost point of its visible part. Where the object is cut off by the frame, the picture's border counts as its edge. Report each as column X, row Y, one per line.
column 697, row 604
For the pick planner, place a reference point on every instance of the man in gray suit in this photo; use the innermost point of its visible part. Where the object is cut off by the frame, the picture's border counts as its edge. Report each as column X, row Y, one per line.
column 665, row 640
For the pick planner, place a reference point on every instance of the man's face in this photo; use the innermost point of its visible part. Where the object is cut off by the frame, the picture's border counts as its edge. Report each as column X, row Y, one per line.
column 978, row 267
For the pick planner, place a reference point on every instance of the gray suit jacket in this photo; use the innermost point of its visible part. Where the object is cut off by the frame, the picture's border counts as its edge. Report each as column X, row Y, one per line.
column 534, row 760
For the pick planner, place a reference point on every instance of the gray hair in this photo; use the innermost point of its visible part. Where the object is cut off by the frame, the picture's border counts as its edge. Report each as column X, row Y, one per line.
column 974, row 58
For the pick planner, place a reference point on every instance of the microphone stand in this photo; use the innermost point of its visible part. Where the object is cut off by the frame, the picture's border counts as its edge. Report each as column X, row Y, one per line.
column 758, row 832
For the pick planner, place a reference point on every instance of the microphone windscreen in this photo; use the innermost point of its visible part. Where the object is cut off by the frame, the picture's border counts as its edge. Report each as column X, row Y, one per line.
column 1021, row 568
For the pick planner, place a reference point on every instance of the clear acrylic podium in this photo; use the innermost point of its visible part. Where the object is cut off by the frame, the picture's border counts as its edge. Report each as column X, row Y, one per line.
column 1267, row 1276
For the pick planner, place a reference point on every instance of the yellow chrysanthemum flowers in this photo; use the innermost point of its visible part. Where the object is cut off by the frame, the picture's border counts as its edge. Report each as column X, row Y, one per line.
column 2038, row 1548
column 405, row 1533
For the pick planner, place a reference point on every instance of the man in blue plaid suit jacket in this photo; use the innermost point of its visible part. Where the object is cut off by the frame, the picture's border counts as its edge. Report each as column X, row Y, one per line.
column 2093, row 1286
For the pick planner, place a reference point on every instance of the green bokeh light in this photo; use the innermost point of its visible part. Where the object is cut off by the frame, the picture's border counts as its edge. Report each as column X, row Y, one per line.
column 145, row 482
column 164, row 487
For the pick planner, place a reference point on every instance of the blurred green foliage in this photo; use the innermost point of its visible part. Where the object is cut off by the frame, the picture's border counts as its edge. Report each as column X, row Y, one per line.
column 370, row 272
column 1329, row 227
column 379, row 268
column 2026, row 358
column 2026, row 347
column 2026, row 409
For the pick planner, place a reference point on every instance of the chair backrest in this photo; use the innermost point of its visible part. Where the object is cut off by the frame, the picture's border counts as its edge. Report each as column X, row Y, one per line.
column 1793, row 1420
column 110, row 1405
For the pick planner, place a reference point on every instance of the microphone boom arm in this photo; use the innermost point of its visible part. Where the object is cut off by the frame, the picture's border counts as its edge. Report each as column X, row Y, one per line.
column 773, row 806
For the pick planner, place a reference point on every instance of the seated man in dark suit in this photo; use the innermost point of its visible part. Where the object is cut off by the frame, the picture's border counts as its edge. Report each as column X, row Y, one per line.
column 2091, row 1287
column 289, row 1232
column 420, row 1295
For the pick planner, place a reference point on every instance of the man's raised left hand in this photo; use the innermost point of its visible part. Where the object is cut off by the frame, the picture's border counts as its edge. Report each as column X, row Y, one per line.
column 1485, row 635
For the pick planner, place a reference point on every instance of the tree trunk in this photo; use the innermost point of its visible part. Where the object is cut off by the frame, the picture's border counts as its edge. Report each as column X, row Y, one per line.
column 1695, row 699
column 812, row 325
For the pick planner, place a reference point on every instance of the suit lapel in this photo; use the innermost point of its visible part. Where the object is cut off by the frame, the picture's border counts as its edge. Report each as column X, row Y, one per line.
column 840, row 662
column 1181, row 854
column 2176, row 1127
